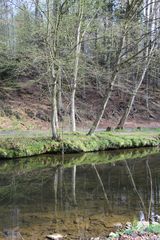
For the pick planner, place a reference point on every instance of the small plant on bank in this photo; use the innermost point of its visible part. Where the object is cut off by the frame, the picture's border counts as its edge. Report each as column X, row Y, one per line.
column 137, row 231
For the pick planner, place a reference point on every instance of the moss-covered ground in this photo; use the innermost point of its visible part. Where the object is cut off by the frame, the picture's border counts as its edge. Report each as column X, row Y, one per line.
column 22, row 146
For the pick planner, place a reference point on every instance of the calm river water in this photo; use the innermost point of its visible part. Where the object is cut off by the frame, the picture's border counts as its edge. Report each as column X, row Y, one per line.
column 79, row 196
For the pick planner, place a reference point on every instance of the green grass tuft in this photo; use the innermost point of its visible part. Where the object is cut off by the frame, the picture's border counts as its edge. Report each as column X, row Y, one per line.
column 22, row 146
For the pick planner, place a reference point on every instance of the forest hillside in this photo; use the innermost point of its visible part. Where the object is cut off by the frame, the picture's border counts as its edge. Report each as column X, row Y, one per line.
column 79, row 64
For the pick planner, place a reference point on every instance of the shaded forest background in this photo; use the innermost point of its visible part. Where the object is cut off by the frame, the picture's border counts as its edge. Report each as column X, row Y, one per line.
column 85, row 63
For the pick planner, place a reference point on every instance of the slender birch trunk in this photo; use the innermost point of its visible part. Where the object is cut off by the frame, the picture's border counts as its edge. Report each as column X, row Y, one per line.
column 74, row 84
column 109, row 90
column 52, row 55
column 104, row 105
column 132, row 98
column 59, row 93
column 80, row 36
column 54, row 105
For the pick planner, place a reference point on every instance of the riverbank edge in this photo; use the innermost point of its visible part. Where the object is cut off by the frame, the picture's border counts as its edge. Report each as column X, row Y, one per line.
column 139, row 230
column 20, row 146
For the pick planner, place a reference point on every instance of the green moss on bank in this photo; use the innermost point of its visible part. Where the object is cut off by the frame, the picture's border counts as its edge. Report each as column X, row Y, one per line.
column 79, row 142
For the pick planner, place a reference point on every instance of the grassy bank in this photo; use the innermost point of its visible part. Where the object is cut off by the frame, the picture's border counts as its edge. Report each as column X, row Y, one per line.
column 22, row 146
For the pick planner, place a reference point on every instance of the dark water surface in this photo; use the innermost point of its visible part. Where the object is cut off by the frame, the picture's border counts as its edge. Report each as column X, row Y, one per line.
column 77, row 195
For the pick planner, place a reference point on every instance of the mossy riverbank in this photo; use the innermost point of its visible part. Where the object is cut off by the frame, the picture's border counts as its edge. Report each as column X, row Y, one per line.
column 21, row 146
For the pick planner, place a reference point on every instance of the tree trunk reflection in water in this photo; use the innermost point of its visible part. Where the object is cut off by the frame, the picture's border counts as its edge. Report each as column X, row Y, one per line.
column 61, row 184
column 15, row 210
column 135, row 188
column 74, row 169
column 102, row 185
column 41, row 196
column 56, row 189
column 157, row 190
column 13, row 229
column 151, row 201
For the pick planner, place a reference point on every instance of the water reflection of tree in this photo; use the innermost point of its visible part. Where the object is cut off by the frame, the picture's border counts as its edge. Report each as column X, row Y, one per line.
column 148, row 211
column 63, row 187
column 103, row 188
column 58, row 187
column 61, row 172
column 14, row 209
column 135, row 188
column 151, row 200
column 55, row 190
column 11, row 227
column 74, row 184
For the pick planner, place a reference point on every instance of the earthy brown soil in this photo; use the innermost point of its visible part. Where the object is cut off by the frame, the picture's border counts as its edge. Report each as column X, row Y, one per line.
column 30, row 109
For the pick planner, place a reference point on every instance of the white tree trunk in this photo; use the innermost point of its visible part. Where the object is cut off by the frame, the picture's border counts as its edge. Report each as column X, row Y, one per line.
column 103, row 106
column 74, row 84
column 131, row 101
column 54, row 118
column 59, row 93
column 73, row 114
column 109, row 91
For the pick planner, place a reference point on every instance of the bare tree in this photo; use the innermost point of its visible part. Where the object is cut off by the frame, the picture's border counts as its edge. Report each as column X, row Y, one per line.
column 77, row 55
column 135, row 91
column 52, row 59
column 148, row 53
column 79, row 39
